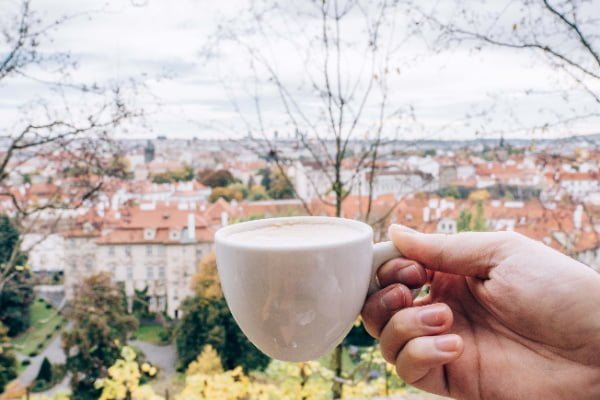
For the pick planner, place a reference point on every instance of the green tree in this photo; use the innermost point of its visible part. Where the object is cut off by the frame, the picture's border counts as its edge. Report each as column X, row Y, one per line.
column 239, row 187
column 215, row 178
column 266, row 177
column 8, row 361
column 280, row 187
column 45, row 373
column 208, row 321
column 464, row 221
column 479, row 220
column 258, row 192
column 141, row 304
column 451, row 191
column 100, row 327
column 16, row 294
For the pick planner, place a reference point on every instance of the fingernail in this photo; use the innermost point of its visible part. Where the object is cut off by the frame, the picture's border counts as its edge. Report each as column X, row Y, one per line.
column 393, row 299
column 432, row 316
column 408, row 274
column 446, row 343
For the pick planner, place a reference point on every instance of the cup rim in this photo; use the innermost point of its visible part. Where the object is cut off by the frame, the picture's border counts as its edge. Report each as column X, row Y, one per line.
column 221, row 236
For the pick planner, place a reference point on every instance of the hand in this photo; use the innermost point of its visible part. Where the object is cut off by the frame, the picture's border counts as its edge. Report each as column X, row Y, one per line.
column 506, row 317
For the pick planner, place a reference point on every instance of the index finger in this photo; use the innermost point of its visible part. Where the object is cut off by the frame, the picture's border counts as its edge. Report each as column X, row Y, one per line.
column 468, row 253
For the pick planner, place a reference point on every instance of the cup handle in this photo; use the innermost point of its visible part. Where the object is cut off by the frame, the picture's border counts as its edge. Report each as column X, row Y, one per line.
column 383, row 252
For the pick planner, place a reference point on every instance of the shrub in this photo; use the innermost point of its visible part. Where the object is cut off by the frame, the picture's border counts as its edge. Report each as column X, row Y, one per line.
column 33, row 354
column 25, row 362
column 48, row 306
column 49, row 336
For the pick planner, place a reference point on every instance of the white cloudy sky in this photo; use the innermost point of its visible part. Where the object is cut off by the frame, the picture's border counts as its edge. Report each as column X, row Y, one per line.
column 160, row 43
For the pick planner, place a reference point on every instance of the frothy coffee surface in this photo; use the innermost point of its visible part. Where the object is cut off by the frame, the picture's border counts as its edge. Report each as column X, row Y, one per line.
column 296, row 234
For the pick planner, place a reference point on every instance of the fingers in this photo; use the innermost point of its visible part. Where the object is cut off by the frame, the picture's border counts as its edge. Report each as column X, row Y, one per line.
column 400, row 270
column 410, row 323
column 422, row 354
column 467, row 253
column 381, row 305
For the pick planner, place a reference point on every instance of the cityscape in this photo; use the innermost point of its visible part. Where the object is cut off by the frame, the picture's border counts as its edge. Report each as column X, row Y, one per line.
column 131, row 133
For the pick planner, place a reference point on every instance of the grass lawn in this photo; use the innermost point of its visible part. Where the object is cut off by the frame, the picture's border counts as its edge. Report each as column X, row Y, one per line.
column 150, row 333
column 43, row 324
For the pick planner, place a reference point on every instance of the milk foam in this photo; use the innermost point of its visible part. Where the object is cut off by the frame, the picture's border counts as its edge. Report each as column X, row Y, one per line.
column 283, row 234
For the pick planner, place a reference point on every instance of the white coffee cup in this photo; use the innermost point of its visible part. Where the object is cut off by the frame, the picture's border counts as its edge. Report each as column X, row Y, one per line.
column 298, row 301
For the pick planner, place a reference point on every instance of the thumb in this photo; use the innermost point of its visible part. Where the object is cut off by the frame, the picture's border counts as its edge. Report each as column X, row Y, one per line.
column 468, row 253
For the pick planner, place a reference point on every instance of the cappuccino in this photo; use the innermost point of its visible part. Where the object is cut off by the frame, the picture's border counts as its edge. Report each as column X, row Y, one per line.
column 288, row 234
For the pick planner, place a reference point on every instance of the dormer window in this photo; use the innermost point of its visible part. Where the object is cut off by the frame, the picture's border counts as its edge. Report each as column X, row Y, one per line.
column 174, row 234
column 149, row 233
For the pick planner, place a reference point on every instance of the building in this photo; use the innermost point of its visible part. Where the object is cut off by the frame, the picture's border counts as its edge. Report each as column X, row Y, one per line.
column 153, row 246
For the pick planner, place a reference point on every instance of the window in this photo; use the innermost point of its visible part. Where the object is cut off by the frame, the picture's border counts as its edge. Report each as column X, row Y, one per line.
column 150, row 272
column 111, row 250
column 161, row 272
column 129, row 273
column 89, row 264
column 128, row 251
column 149, row 250
column 161, row 250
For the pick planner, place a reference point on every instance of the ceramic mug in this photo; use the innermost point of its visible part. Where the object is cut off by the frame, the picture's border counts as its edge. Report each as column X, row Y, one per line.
column 298, row 301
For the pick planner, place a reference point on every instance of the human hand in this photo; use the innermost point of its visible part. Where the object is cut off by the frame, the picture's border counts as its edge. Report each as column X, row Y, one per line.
column 506, row 317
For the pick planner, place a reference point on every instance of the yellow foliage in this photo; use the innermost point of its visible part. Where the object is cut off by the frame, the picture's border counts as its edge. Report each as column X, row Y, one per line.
column 479, row 195
column 206, row 281
column 208, row 363
column 124, row 378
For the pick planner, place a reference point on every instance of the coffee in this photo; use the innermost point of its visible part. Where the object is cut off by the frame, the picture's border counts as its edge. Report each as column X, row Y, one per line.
column 296, row 234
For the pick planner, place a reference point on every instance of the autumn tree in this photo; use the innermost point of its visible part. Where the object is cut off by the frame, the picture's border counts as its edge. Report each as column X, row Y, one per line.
column 100, row 327
column 215, row 178
column 208, row 321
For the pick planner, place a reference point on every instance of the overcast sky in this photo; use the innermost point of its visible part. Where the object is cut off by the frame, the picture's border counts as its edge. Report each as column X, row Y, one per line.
column 160, row 43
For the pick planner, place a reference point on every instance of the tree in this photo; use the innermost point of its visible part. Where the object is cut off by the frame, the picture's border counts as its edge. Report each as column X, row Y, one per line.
column 208, row 321
column 208, row 362
column 239, row 187
column 479, row 221
column 464, row 221
column 8, row 361
column 226, row 193
column 100, row 326
column 266, row 177
column 45, row 372
column 140, row 306
column 467, row 221
column 124, row 379
column 16, row 294
column 257, row 192
column 215, row 178
column 281, row 187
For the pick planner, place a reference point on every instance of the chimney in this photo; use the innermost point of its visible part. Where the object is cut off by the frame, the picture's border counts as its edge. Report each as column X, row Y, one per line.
column 426, row 214
column 578, row 216
column 191, row 226
column 224, row 218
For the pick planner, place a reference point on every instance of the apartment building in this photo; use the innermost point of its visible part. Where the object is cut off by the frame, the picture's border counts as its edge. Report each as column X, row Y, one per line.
column 152, row 246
